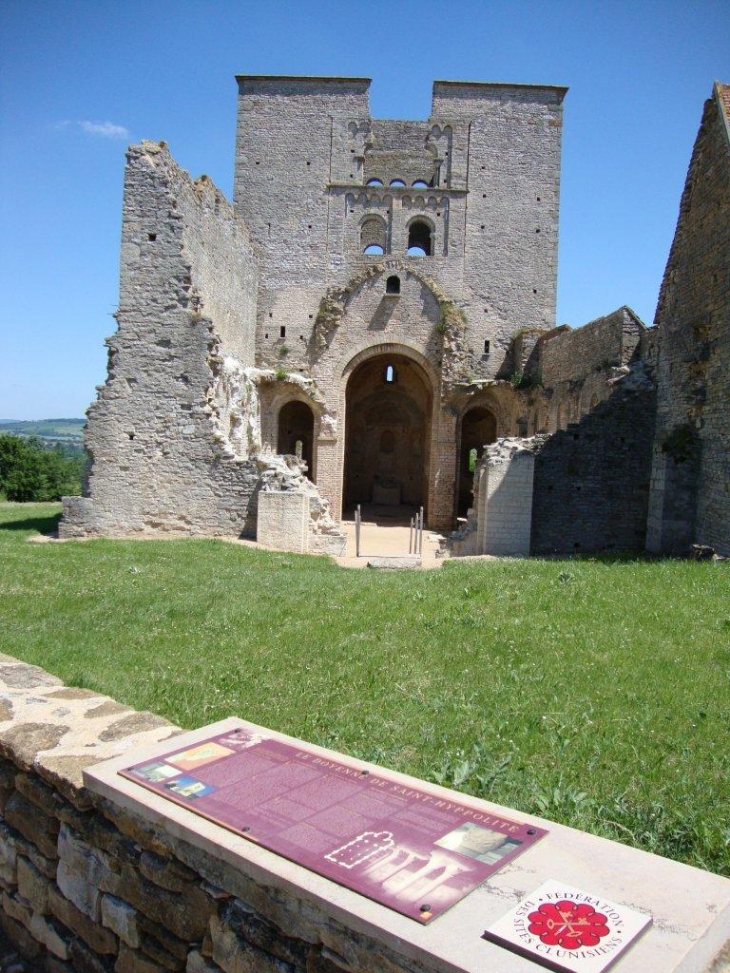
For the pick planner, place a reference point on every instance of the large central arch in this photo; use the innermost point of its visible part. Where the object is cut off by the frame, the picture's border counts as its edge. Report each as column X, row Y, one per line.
column 388, row 409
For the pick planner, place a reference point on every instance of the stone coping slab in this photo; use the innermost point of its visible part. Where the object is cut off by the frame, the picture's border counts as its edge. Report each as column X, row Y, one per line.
column 690, row 908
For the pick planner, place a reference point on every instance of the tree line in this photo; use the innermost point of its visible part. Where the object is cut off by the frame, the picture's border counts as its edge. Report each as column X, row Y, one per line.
column 33, row 471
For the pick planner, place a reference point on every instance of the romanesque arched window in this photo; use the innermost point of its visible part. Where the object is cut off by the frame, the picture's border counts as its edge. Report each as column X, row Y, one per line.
column 420, row 238
column 373, row 234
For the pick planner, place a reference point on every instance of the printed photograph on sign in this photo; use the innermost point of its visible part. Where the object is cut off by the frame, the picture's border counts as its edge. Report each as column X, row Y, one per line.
column 567, row 929
column 404, row 847
column 480, row 843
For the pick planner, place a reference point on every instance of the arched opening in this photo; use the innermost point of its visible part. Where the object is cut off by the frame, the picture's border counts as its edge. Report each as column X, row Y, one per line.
column 398, row 183
column 373, row 233
column 392, row 285
column 478, row 428
column 386, row 435
column 374, row 182
column 420, row 184
column 295, row 434
column 420, row 239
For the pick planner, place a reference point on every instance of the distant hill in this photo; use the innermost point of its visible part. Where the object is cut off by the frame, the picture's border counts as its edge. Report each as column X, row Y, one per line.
column 67, row 432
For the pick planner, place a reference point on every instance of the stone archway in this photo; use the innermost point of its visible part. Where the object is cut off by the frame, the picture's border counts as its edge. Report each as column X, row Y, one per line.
column 387, row 433
column 295, row 433
column 478, row 428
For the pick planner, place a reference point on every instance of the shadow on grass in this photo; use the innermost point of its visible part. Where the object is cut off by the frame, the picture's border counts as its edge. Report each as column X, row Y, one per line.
column 43, row 525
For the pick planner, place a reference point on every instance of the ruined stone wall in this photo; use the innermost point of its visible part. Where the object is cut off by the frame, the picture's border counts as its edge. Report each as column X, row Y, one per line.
column 591, row 484
column 88, row 886
column 690, row 495
column 566, row 373
column 172, row 433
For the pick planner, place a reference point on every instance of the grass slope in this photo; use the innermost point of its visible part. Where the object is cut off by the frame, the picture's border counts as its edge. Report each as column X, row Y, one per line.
column 593, row 692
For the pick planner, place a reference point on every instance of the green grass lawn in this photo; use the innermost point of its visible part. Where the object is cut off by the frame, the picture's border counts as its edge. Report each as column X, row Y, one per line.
column 593, row 692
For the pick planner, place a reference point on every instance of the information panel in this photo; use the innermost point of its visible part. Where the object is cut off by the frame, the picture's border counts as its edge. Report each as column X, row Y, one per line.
column 400, row 846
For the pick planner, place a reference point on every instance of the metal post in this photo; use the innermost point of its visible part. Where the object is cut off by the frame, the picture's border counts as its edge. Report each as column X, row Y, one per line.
column 420, row 526
column 410, row 538
column 357, row 531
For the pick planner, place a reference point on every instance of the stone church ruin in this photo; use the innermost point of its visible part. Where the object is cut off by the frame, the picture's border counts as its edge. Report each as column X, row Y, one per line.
column 376, row 308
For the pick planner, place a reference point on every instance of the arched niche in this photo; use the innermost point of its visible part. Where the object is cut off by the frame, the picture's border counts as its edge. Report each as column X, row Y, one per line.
column 478, row 429
column 295, row 433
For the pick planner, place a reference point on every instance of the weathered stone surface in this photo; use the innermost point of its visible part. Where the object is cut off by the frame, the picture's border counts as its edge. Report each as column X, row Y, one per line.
column 33, row 824
column 84, row 960
column 33, row 886
column 81, row 871
column 134, row 723
column 23, row 676
column 197, row 963
column 24, row 742
column 46, row 866
column 133, row 961
column 38, row 792
column 46, row 931
column 6, row 710
column 17, row 908
column 96, row 937
column 8, row 856
column 72, row 692
column 185, row 914
column 121, row 918
column 107, row 708
column 170, row 875
column 254, row 929
column 16, row 933
column 234, row 955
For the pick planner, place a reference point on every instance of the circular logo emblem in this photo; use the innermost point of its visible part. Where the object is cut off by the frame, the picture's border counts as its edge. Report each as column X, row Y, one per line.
column 568, row 924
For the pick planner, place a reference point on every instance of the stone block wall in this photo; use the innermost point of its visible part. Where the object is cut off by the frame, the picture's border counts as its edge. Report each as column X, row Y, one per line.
column 87, row 886
column 503, row 498
column 690, row 493
column 172, row 432
column 591, row 486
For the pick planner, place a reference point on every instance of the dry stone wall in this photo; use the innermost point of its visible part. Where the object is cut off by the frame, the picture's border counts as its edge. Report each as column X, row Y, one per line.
column 87, row 886
column 690, row 495
column 173, row 431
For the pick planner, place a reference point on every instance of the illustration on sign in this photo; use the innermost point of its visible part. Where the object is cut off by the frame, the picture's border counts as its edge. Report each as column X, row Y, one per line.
column 401, row 846
column 567, row 929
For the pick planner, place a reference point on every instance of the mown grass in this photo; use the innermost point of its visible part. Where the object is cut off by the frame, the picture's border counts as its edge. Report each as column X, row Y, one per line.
column 593, row 692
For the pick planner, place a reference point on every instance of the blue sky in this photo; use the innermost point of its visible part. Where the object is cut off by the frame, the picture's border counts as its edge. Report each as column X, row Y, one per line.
column 81, row 79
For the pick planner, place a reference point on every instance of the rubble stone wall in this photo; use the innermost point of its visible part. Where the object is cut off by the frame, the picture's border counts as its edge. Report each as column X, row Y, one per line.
column 690, row 495
column 87, row 886
column 591, row 485
column 173, row 430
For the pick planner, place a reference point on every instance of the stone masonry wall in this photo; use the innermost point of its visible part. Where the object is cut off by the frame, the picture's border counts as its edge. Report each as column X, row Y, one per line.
column 690, row 494
column 172, row 433
column 591, row 481
column 87, row 886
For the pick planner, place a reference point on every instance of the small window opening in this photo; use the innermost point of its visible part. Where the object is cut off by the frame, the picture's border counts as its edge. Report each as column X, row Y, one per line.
column 397, row 182
column 486, row 347
column 420, row 184
column 282, row 332
column 266, row 337
column 374, row 182
column 392, row 285
column 472, row 460
column 152, row 236
column 420, row 239
column 389, row 374
column 374, row 250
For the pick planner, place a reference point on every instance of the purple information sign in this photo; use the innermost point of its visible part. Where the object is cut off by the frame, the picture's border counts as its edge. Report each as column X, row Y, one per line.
column 403, row 847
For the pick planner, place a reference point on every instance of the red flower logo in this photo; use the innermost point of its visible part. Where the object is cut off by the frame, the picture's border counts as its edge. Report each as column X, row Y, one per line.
column 568, row 924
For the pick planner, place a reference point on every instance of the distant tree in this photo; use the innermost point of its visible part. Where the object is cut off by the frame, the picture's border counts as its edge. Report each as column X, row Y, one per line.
column 29, row 471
